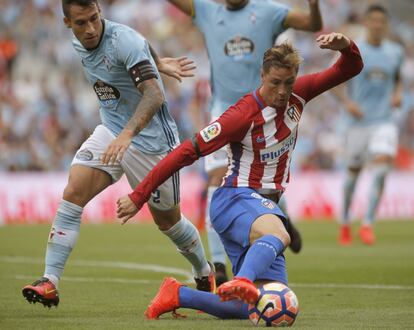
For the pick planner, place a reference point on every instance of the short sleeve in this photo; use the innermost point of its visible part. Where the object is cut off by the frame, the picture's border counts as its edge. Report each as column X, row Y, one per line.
column 278, row 13
column 231, row 126
column 132, row 48
column 203, row 11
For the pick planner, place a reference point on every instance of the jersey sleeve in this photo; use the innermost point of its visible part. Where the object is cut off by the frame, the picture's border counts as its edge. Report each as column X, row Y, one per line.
column 231, row 126
column 347, row 66
column 203, row 11
column 132, row 48
column 278, row 13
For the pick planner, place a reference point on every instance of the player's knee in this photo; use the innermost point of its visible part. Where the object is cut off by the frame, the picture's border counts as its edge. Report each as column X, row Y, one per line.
column 75, row 193
column 265, row 226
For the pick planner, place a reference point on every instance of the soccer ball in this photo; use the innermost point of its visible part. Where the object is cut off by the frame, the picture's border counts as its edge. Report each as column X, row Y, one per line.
column 277, row 306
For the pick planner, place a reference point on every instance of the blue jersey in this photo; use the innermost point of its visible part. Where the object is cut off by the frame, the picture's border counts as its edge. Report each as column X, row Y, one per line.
column 236, row 41
column 106, row 68
column 372, row 89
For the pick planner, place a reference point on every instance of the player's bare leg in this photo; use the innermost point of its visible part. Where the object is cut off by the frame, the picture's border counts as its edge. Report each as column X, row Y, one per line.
column 84, row 184
column 187, row 239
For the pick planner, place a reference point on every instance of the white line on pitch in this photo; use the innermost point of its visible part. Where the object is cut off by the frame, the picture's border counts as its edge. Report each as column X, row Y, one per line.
column 178, row 271
column 293, row 285
column 352, row 286
column 106, row 264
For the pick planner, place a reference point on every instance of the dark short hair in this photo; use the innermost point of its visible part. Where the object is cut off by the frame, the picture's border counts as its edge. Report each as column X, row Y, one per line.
column 376, row 8
column 83, row 3
column 282, row 56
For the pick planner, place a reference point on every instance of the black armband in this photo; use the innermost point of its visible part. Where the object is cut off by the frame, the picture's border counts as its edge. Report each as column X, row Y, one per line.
column 196, row 146
column 142, row 71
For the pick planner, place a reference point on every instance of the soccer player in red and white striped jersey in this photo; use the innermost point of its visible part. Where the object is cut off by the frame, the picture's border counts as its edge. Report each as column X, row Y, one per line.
column 261, row 131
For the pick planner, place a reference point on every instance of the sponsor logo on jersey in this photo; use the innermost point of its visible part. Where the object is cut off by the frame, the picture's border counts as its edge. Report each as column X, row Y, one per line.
column 260, row 139
column 377, row 74
column 278, row 150
column 238, row 47
column 268, row 203
column 84, row 155
column 256, row 195
column 108, row 95
column 211, row 131
column 294, row 113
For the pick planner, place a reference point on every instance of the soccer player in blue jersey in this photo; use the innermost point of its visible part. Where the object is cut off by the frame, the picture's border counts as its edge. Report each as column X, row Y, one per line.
column 371, row 135
column 236, row 36
column 137, row 131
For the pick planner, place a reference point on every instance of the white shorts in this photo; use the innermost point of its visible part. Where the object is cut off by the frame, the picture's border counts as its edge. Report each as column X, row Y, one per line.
column 135, row 164
column 217, row 159
column 363, row 143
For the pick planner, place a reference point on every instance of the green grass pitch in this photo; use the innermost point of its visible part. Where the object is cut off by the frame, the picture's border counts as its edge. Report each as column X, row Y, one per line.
column 115, row 271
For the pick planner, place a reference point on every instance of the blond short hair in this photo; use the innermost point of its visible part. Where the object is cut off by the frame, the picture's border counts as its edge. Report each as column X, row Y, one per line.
column 281, row 56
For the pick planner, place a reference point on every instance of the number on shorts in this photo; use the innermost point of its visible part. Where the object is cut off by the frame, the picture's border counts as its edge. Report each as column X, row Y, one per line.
column 156, row 196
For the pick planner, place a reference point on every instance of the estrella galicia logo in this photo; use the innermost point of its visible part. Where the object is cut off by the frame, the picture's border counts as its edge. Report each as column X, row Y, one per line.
column 84, row 155
column 108, row 95
column 238, row 47
column 268, row 203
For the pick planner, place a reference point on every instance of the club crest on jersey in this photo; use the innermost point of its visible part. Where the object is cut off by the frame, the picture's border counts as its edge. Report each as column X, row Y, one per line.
column 293, row 113
column 211, row 131
column 107, row 63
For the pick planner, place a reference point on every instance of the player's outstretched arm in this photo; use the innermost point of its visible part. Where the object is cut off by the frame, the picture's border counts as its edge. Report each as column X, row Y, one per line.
column 299, row 20
column 232, row 125
column 347, row 66
column 183, row 155
column 177, row 68
column 151, row 101
column 186, row 6
column 334, row 41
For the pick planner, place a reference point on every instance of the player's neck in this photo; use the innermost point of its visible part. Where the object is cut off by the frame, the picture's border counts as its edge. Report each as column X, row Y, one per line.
column 376, row 42
column 237, row 7
column 100, row 38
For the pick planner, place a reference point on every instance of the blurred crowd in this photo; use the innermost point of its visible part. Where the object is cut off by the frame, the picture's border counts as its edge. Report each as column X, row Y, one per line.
column 47, row 108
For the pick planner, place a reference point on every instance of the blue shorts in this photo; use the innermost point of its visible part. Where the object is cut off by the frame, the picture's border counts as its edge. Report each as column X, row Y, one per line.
column 232, row 213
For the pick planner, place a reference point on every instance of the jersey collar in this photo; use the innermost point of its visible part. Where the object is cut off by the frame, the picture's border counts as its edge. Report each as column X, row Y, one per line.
column 259, row 99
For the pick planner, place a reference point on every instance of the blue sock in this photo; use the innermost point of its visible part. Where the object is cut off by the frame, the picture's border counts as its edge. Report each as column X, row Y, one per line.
column 211, row 304
column 348, row 191
column 377, row 187
column 187, row 239
column 260, row 257
column 62, row 239
column 217, row 251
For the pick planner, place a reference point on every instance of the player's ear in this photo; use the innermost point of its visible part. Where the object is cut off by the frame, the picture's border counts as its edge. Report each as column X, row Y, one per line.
column 262, row 75
column 67, row 22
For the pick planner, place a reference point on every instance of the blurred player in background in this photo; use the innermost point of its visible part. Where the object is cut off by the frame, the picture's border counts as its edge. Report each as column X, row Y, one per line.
column 137, row 131
column 260, row 132
column 371, row 134
column 236, row 36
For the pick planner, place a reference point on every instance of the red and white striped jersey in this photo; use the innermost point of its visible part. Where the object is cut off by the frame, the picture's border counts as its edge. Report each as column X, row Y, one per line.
column 260, row 138
column 262, row 157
